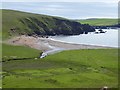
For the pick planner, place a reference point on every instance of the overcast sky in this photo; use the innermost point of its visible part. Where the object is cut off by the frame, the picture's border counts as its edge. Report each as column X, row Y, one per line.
column 72, row 9
column 105, row 1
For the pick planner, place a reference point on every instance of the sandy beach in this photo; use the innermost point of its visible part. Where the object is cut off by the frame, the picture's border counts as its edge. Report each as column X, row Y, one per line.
column 46, row 44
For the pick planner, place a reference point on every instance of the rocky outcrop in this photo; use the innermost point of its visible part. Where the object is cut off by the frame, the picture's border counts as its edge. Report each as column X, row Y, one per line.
column 59, row 26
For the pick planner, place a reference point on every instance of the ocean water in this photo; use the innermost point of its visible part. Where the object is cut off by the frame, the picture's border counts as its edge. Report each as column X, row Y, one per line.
column 110, row 38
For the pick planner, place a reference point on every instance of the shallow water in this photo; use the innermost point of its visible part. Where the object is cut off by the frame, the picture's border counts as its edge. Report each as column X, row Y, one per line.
column 52, row 51
column 110, row 38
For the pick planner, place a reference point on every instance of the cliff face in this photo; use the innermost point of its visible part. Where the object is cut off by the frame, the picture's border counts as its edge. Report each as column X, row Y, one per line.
column 17, row 23
column 64, row 27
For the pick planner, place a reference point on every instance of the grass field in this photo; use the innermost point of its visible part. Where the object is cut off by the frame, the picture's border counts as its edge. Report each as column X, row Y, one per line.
column 99, row 22
column 71, row 69
column 18, row 52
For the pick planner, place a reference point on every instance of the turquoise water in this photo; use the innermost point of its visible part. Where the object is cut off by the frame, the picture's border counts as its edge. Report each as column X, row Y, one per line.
column 110, row 38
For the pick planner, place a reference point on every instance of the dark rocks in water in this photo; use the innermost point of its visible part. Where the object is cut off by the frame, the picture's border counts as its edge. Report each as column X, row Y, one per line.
column 101, row 31
column 47, row 37
column 86, row 32
column 96, row 32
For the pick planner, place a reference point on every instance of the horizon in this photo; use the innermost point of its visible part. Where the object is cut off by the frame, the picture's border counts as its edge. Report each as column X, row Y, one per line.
column 68, row 10
column 64, row 17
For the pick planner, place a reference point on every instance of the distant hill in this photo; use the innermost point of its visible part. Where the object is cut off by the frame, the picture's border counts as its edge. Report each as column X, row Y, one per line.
column 99, row 22
column 23, row 23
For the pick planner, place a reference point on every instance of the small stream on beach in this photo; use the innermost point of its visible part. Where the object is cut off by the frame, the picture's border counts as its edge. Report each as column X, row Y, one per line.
column 52, row 51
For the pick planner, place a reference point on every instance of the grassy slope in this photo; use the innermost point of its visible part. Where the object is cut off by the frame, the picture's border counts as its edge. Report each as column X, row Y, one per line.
column 18, row 52
column 19, row 23
column 99, row 22
column 11, row 19
column 75, row 68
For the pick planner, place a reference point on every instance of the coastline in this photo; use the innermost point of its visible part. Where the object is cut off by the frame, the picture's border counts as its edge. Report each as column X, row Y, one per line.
column 48, row 45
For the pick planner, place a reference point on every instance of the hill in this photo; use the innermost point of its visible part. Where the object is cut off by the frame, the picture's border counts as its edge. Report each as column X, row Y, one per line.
column 19, row 23
column 99, row 22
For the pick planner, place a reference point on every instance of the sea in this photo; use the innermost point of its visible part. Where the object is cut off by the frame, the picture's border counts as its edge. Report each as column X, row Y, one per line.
column 109, row 38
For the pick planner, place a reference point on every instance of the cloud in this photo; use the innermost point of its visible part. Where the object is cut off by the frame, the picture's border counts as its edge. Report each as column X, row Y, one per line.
column 54, row 6
column 66, row 9
column 105, row 1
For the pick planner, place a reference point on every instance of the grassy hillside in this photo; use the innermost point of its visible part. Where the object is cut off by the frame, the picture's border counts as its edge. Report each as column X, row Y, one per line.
column 75, row 68
column 18, row 23
column 10, row 52
column 99, row 22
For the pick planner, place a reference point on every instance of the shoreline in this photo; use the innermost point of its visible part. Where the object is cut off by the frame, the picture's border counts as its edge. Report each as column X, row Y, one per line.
column 48, row 44
column 104, row 46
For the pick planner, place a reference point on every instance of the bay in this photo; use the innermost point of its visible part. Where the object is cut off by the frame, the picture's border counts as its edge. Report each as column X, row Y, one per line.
column 110, row 38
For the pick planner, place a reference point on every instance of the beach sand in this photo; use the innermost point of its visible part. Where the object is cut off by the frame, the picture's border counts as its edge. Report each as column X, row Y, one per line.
column 46, row 44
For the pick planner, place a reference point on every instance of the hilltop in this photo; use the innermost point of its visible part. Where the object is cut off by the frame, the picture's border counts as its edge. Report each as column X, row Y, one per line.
column 24, row 23
column 99, row 21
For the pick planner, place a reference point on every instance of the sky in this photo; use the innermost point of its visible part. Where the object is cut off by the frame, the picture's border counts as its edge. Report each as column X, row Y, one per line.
column 105, row 1
column 71, row 9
